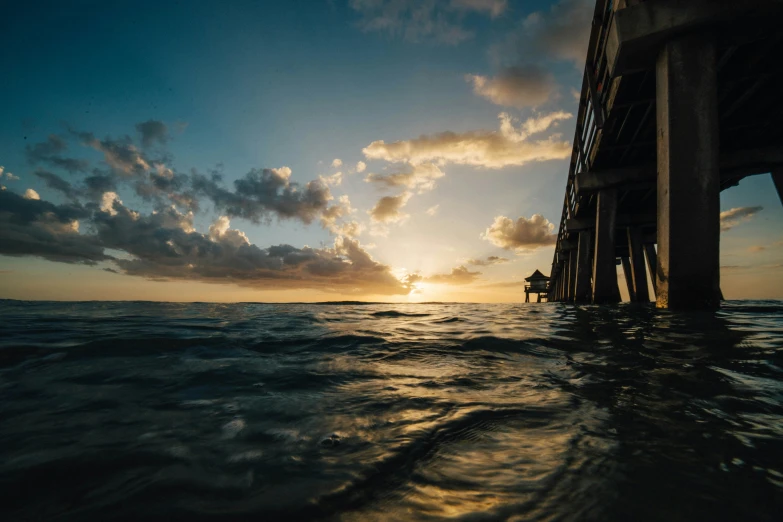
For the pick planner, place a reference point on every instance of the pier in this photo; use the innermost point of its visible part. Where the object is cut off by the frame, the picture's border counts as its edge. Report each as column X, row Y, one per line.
column 680, row 100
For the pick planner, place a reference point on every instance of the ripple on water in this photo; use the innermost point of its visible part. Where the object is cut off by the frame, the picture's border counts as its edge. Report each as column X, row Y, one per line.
column 353, row 411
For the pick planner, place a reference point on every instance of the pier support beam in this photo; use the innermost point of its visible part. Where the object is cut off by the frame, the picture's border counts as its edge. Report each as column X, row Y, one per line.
column 572, row 268
column 626, row 262
column 638, row 274
column 652, row 261
column 688, row 177
column 605, row 288
column 584, row 269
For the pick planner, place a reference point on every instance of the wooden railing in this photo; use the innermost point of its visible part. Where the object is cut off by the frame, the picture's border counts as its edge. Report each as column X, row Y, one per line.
column 596, row 86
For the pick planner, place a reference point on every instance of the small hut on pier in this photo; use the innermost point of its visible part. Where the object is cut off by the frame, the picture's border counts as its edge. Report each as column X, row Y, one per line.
column 537, row 283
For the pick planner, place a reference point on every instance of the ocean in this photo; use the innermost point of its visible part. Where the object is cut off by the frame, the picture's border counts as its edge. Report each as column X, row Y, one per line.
column 361, row 411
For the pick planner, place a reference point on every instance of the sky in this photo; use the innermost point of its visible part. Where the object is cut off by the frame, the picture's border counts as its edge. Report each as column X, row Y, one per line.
column 319, row 150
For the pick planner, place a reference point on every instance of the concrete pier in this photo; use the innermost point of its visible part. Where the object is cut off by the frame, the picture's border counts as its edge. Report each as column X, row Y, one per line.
column 678, row 102
column 636, row 258
column 584, row 269
column 688, row 270
column 604, row 268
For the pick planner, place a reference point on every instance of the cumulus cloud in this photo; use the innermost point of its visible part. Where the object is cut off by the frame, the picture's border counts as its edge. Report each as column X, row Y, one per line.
column 387, row 210
column 733, row 217
column 361, row 166
column 266, row 193
column 420, row 178
column 507, row 146
column 120, row 154
column 333, row 180
column 458, row 276
column 491, row 260
column 522, row 234
column 8, row 175
column 331, row 216
column 226, row 256
column 521, row 86
column 164, row 244
column 152, row 131
column 432, row 210
column 31, row 227
column 337, row 162
column 423, row 20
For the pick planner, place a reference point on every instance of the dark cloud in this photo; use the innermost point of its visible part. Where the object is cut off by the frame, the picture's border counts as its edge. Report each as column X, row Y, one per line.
column 491, row 260
column 98, row 183
column 561, row 33
column 458, row 276
column 31, row 227
column 521, row 234
column 152, row 131
column 48, row 152
column 164, row 246
column 265, row 193
column 521, row 86
column 55, row 182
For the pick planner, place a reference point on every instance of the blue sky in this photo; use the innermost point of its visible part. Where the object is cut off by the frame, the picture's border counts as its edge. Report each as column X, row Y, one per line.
column 247, row 85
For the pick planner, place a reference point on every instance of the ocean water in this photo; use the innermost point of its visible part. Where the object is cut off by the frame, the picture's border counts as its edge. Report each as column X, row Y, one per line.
column 548, row 412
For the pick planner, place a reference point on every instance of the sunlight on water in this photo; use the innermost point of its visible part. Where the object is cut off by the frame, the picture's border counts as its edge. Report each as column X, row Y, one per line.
column 140, row 411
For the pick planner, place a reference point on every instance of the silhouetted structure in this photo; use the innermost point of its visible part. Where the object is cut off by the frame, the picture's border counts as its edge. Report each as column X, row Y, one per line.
column 538, row 284
column 680, row 100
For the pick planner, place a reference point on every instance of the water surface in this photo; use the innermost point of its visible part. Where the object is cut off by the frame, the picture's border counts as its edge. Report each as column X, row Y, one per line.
column 163, row 411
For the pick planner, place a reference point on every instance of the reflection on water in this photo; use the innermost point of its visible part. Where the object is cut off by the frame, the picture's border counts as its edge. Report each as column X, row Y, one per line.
column 142, row 411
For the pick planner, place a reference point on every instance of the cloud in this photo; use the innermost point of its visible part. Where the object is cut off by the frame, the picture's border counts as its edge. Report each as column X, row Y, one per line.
column 55, row 182
column 152, row 131
column 337, row 162
column 491, row 260
column 121, row 155
column 432, row 210
column 492, row 7
column 423, row 20
column 361, row 166
column 8, row 175
column 108, row 201
column 521, row 86
column 507, row 146
column 762, row 248
column 522, row 234
column 49, row 152
column 32, row 227
column 419, row 177
column 331, row 216
column 733, row 217
column 458, row 276
column 387, row 209
column 333, row 180
column 562, row 33
column 163, row 246
column 266, row 193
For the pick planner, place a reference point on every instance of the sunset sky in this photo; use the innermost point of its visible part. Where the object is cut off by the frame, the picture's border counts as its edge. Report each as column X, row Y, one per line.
column 394, row 150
